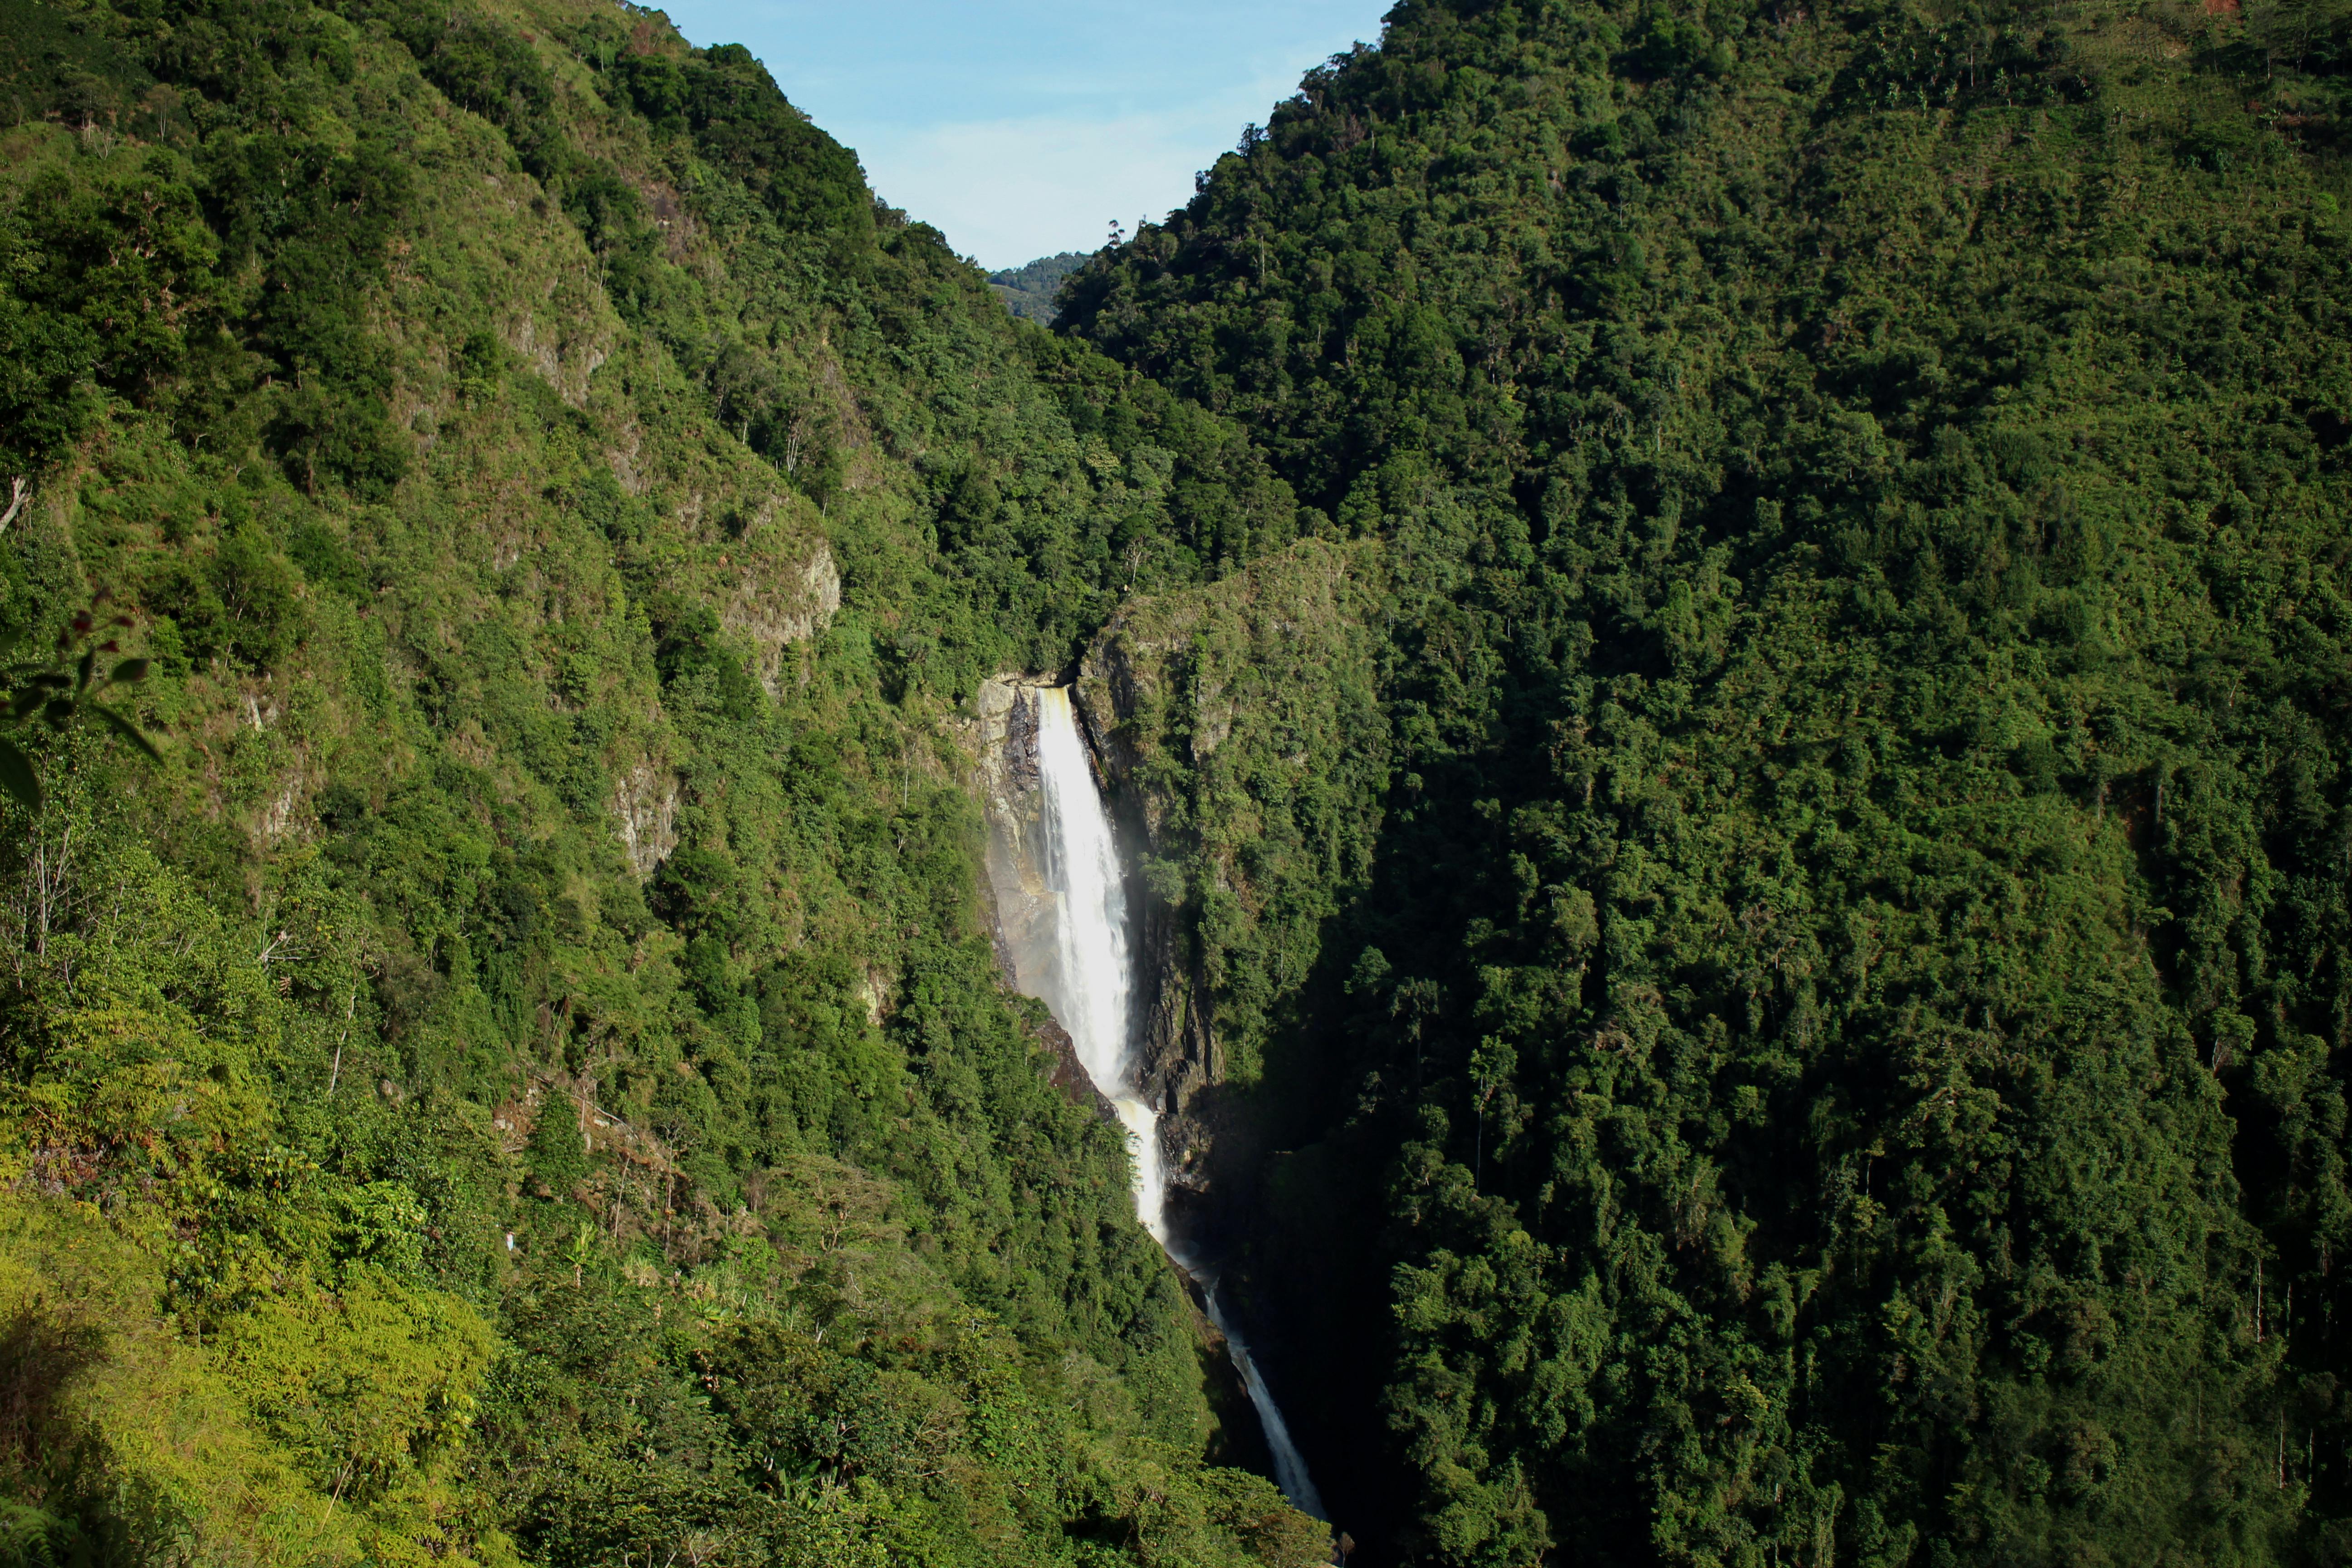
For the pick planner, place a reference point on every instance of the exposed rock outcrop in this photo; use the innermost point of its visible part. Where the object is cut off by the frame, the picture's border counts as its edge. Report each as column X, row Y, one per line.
column 778, row 591
column 1001, row 742
column 1244, row 706
column 1178, row 1050
column 1179, row 1042
column 644, row 814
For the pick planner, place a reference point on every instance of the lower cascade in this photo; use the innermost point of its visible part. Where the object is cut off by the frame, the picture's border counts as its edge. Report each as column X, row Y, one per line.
column 1089, row 986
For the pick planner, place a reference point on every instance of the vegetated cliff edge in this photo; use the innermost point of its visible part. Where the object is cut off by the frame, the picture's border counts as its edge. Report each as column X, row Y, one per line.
column 1242, row 720
column 1827, row 1039
column 525, row 1077
column 999, row 740
column 1276, row 659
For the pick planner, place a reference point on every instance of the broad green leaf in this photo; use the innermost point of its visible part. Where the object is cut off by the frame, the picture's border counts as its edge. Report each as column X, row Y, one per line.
column 127, row 731
column 17, row 777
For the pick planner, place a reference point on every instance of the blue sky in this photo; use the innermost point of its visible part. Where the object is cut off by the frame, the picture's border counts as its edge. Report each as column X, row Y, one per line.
column 1024, row 127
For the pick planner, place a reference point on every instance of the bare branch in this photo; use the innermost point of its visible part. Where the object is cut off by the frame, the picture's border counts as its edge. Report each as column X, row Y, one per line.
column 19, row 489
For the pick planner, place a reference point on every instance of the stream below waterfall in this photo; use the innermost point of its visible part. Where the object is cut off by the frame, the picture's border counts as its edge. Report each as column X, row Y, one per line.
column 1090, row 987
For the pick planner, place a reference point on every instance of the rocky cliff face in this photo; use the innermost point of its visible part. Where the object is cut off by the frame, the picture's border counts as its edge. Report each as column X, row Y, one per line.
column 1178, row 1048
column 1178, row 1040
column 1239, row 724
column 1235, row 729
column 1001, row 742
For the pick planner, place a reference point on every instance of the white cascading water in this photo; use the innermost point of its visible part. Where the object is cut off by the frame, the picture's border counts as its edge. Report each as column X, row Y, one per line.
column 1090, row 990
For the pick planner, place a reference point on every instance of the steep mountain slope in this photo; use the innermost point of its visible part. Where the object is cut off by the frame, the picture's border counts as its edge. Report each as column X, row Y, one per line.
column 1794, row 1006
column 524, row 1078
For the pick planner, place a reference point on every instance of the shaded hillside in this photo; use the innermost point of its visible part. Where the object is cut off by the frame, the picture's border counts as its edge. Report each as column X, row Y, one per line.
column 524, row 1078
column 1810, row 1025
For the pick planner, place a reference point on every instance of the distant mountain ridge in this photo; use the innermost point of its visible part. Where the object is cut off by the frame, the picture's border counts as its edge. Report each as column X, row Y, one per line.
column 1028, row 291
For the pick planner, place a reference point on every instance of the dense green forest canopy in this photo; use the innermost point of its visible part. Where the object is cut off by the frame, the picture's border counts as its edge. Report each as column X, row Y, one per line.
column 1028, row 292
column 1790, row 989
column 1733, row 622
column 525, row 1079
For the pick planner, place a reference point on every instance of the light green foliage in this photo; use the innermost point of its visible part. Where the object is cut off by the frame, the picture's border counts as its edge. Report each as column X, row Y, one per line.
column 121, row 1434
column 1838, row 1054
column 529, row 1045
column 373, row 1391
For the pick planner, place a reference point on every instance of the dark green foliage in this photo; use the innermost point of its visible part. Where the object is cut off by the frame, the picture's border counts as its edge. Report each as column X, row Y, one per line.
column 240, row 603
column 130, row 258
column 1835, row 1044
column 315, row 221
column 61, row 692
column 45, row 399
column 557, row 1152
column 743, row 126
column 105, row 281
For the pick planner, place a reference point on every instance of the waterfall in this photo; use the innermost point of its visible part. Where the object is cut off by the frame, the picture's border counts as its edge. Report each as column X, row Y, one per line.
column 1090, row 987
column 1091, row 983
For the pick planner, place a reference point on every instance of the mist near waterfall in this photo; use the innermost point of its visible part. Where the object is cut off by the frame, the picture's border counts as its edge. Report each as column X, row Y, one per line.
column 1090, row 987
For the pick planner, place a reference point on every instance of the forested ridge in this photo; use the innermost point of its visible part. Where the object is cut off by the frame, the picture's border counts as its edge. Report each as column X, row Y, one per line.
column 1028, row 292
column 1781, row 930
column 524, row 1078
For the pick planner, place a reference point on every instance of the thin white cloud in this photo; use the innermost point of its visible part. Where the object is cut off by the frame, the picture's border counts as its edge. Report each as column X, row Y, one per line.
column 1024, row 127
column 1005, row 191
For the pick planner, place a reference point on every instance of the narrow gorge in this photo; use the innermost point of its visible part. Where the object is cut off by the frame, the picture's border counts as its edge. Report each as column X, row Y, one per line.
column 1066, row 936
